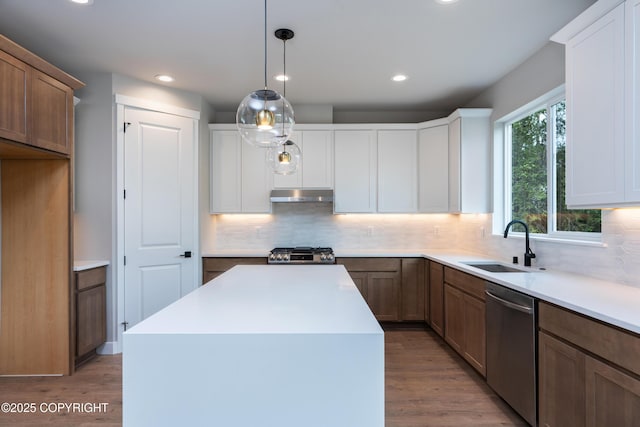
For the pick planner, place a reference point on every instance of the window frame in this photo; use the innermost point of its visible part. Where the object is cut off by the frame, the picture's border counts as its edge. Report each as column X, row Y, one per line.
column 503, row 173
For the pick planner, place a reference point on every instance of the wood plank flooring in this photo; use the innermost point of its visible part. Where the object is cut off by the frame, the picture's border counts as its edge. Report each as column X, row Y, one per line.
column 427, row 385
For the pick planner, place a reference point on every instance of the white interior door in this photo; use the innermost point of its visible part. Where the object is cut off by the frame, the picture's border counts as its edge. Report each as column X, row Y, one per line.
column 159, row 211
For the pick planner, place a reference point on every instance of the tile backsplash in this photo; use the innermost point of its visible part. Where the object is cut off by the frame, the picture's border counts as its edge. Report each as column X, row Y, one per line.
column 313, row 224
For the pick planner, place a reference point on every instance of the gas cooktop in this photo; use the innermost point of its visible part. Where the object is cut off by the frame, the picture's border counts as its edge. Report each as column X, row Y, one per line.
column 301, row 255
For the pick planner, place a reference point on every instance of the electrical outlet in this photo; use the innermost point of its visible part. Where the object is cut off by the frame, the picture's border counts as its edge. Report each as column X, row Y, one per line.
column 482, row 232
column 370, row 231
column 258, row 232
column 436, row 230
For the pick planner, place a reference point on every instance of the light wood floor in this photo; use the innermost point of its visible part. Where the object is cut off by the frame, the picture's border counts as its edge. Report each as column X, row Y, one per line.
column 427, row 385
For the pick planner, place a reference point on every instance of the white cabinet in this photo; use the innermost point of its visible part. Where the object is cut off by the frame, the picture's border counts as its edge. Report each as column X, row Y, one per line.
column 470, row 161
column 603, row 162
column 433, row 167
column 355, row 163
column 240, row 178
column 316, row 168
column 397, row 174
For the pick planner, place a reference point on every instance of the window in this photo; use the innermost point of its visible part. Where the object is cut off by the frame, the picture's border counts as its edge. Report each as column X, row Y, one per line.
column 534, row 146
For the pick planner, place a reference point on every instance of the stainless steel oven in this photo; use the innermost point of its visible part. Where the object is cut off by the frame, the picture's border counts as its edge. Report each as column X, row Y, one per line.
column 301, row 255
column 512, row 348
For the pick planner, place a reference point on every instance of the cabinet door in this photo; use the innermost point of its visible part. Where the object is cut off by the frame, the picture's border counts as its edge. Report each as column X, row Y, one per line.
column 225, row 185
column 360, row 279
column 355, row 171
column 454, row 318
column 433, row 169
column 455, row 150
column 14, row 87
column 475, row 333
column 613, row 397
column 436, row 297
column 412, row 289
column 397, row 171
column 595, row 113
column 632, row 116
column 51, row 113
column 295, row 179
column 561, row 383
column 91, row 319
column 257, row 180
column 383, row 295
column 317, row 159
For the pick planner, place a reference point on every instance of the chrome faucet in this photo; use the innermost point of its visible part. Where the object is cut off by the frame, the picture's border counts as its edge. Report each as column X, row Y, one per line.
column 528, row 254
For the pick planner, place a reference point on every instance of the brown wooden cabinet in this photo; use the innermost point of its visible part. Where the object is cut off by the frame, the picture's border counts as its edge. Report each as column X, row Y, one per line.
column 413, row 290
column 36, row 106
column 380, row 282
column 37, row 325
column 589, row 372
column 212, row 267
column 91, row 312
column 436, row 297
column 464, row 316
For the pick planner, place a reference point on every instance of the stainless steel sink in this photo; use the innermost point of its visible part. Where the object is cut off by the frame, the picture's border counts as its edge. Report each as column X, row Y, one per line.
column 495, row 267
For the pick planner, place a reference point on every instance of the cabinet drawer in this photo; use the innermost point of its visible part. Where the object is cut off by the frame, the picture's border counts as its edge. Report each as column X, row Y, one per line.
column 618, row 346
column 370, row 264
column 465, row 282
column 224, row 264
column 89, row 278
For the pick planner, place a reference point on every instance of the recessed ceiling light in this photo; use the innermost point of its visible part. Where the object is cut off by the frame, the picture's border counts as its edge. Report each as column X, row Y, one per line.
column 164, row 78
column 282, row 78
column 399, row 78
column 82, row 1
column 446, row 1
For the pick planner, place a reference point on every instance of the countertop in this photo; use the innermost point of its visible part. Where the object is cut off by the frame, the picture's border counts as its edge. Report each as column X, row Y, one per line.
column 263, row 299
column 88, row 265
column 609, row 302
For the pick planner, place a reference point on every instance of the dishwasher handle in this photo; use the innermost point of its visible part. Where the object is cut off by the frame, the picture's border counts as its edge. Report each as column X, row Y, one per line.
column 522, row 308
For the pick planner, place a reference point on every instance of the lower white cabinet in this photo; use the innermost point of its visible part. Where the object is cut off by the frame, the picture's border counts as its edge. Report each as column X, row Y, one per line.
column 355, row 165
column 433, row 168
column 240, row 178
column 316, row 168
column 397, row 171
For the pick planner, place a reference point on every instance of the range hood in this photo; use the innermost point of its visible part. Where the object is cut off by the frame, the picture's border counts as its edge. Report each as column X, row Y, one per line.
column 300, row 196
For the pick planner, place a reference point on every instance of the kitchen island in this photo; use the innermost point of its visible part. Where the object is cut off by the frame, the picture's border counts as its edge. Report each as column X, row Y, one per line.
column 269, row 345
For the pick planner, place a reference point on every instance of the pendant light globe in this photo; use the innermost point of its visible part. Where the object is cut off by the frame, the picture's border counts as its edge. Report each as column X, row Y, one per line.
column 265, row 118
column 284, row 159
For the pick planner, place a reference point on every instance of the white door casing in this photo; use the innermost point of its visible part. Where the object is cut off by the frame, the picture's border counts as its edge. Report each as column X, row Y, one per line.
column 157, row 224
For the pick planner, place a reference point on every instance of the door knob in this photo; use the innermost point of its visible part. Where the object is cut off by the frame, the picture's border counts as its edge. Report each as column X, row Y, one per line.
column 187, row 254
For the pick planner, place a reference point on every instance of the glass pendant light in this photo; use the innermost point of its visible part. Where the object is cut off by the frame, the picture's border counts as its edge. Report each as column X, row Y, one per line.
column 284, row 159
column 265, row 118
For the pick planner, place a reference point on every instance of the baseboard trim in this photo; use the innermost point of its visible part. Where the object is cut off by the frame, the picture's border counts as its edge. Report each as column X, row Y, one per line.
column 110, row 347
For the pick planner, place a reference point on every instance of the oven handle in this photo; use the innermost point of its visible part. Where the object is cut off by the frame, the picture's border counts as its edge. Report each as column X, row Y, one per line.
column 522, row 308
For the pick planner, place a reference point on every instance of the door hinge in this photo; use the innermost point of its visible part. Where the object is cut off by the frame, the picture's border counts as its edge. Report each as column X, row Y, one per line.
column 125, row 260
column 126, row 125
column 124, row 194
column 125, row 324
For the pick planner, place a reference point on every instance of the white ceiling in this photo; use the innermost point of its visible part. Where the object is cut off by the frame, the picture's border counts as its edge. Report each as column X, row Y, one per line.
column 344, row 52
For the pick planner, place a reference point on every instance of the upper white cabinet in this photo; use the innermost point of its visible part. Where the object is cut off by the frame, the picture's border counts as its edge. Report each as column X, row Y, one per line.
column 602, row 80
column 316, row 168
column 355, row 164
column 469, row 161
column 240, row 179
column 433, row 167
column 397, row 171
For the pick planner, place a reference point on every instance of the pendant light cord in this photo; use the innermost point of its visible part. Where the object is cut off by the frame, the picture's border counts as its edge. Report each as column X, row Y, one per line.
column 265, row 47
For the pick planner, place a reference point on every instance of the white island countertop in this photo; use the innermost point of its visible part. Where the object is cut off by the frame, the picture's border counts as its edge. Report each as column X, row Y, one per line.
column 281, row 345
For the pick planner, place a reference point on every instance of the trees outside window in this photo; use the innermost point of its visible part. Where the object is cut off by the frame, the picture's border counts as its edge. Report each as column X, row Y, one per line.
column 535, row 181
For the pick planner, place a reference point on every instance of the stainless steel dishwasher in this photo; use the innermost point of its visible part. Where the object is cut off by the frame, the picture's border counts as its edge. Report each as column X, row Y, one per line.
column 512, row 349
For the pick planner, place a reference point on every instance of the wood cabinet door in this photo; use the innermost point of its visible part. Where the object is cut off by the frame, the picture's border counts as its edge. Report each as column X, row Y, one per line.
column 360, row 279
column 454, row 318
column 475, row 335
column 383, row 295
column 612, row 397
column 412, row 289
column 561, row 383
column 51, row 113
column 14, row 88
column 436, row 297
column 91, row 319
